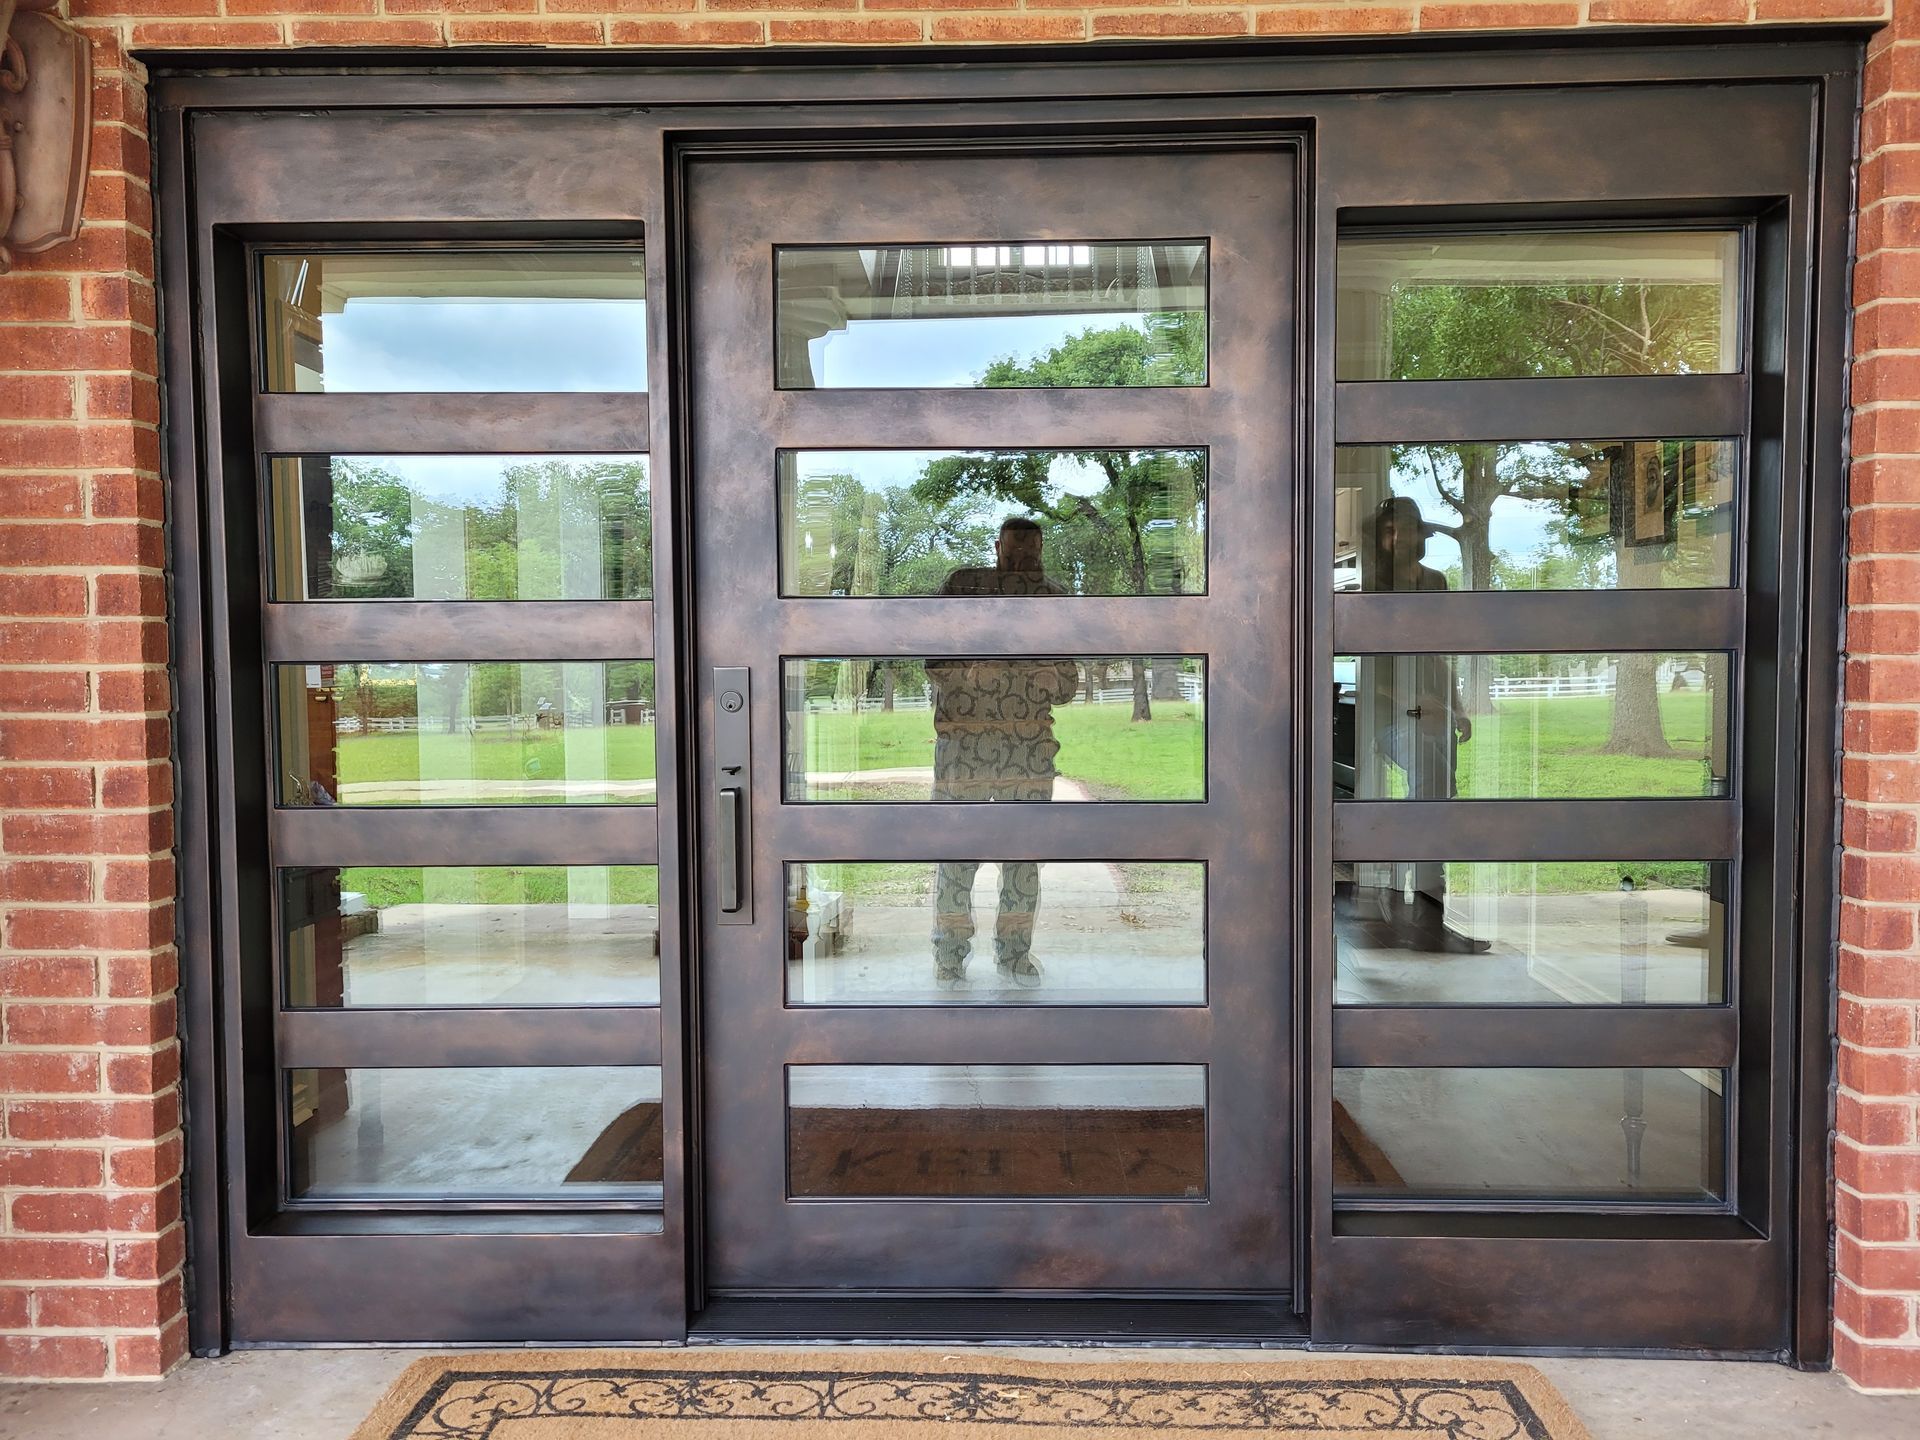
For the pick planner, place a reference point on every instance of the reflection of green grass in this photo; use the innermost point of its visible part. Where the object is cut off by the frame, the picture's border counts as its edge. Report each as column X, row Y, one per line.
column 1553, row 748
column 1548, row 748
column 1572, row 877
column 1158, row 877
column 875, row 881
column 1100, row 746
column 1160, row 759
column 389, row 885
column 494, row 755
column 1528, row 749
column 867, row 881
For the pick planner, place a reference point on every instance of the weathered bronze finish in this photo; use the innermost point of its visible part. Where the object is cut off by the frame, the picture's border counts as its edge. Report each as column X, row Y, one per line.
column 1575, row 132
column 1239, row 1239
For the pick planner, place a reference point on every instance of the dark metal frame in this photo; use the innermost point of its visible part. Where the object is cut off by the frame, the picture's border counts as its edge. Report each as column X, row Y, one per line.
column 742, row 199
column 418, row 152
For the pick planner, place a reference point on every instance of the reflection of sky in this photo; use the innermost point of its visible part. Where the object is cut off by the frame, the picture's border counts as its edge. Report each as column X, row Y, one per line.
column 442, row 345
column 945, row 353
column 1518, row 527
column 469, row 479
column 897, row 469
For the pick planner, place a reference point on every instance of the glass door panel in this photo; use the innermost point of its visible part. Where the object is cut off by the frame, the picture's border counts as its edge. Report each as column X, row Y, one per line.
column 993, row 582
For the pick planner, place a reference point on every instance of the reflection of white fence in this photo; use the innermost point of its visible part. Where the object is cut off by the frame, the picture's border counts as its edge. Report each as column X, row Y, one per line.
column 1677, row 673
column 397, row 725
column 457, row 725
column 922, row 699
column 903, row 699
column 1119, row 694
column 1534, row 686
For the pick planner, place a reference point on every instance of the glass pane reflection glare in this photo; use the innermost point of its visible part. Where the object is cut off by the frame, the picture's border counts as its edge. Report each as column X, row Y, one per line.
column 1546, row 303
column 983, row 1132
column 966, row 932
column 1540, row 515
column 475, row 1133
column 993, row 522
column 1470, row 1134
column 543, row 732
column 1520, row 932
column 1517, row 727
column 478, row 321
column 1019, row 313
column 996, row 729
column 461, row 527
column 402, row 935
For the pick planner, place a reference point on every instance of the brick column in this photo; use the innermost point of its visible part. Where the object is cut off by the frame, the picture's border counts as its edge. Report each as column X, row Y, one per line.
column 1877, row 1147
column 91, row 1244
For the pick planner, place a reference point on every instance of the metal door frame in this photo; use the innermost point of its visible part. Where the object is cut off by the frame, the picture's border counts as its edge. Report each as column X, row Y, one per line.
column 1361, row 101
column 1256, row 461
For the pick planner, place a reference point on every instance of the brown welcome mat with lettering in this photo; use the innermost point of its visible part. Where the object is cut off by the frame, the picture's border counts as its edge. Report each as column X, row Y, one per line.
column 806, row 1394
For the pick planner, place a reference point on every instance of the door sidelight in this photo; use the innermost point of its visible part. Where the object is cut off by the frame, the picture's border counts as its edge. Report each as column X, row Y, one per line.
column 732, row 774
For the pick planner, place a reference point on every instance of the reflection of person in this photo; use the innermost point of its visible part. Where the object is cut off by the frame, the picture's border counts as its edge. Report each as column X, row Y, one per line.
column 993, row 741
column 1420, row 717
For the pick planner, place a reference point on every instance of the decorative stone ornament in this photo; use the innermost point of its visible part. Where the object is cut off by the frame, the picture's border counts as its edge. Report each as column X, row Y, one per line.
column 46, row 128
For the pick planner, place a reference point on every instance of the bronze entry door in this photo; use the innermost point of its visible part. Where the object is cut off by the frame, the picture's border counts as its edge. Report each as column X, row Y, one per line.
column 993, row 460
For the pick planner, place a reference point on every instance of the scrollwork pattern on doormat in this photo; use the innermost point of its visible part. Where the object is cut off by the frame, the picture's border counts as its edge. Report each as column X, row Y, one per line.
column 479, row 1406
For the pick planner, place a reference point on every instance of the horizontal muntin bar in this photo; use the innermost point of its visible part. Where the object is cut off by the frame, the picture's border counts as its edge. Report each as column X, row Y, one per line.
column 466, row 835
column 1601, row 407
column 998, row 1035
column 461, row 1037
column 1063, row 830
column 1528, row 622
column 1071, row 625
column 437, row 424
column 1599, row 829
column 393, row 631
column 1535, row 1037
column 1183, row 417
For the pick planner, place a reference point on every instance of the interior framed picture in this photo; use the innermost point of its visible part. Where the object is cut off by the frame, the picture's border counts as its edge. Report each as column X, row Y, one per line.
column 1645, row 504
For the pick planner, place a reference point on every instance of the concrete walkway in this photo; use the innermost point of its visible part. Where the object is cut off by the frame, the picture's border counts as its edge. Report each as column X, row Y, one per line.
column 323, row 1394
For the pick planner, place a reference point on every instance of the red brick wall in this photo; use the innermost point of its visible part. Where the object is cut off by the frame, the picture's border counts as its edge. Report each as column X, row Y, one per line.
column 90, row 1237
column 90, row 1234
column 1877, row 1160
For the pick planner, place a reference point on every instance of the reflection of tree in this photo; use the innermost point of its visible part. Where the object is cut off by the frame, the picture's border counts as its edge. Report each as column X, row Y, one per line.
column 1167, row 348
column 372, row 514
column 1535, row 330
column 1141, row 532
column 488, row 688
column 1617, row 328
column 1122, row 540
column 555, row 529
column 1634, row 727
column 1143, row 528
column 885, row 541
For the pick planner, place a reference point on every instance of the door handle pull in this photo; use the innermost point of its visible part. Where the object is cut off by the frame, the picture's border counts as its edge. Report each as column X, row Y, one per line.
column 730, row 850
column 732, row 792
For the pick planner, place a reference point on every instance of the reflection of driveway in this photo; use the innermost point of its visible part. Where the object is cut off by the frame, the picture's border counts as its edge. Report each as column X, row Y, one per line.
column 471, row 1130
column 905, row 778
column 1491, row 1132
column 1580, row 948
column 468, row 954
column 1097, row 943
column 506, row 790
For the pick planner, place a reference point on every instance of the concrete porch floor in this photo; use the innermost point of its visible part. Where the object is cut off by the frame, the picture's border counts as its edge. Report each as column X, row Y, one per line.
column 324, row 1394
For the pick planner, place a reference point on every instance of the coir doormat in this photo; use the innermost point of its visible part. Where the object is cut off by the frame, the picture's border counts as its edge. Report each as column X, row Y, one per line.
column 917, row 1395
